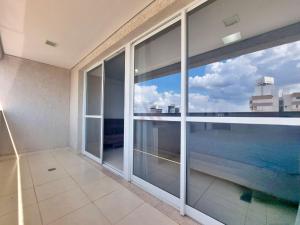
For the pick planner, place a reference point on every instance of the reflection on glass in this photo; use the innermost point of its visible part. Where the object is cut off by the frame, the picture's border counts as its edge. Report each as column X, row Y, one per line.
column 257, row 76
column 239, row 172
column 156, row 155
column 92, row 136
column 93, row 91
column 254, row 82
column 157, row 74
column 113, row 139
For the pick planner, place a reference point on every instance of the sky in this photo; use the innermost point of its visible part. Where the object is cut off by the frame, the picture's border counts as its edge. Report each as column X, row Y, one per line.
column 225, row 86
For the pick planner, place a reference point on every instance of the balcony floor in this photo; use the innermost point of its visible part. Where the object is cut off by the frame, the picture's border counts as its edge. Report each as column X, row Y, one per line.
column 78, row 191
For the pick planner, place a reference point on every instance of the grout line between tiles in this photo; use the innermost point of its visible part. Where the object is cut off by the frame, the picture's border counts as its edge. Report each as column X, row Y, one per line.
column 89, row 201
column 107, row 174
column 29, row 167
column 84, row 205
column 102, row 213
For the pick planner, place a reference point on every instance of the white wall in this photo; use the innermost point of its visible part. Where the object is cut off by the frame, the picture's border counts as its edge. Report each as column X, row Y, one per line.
column 74, row 115
column 36, row 100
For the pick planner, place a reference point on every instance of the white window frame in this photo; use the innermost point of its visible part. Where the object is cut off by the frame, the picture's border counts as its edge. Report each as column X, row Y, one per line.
column 125, row 173
column 159, row 193
column 129, row 118
column 85, row 116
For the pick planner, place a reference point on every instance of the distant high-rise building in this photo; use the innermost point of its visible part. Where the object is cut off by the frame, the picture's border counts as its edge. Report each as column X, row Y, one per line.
column 155, row 109
column 173, row 109
column 265, row 98
column 291, row 101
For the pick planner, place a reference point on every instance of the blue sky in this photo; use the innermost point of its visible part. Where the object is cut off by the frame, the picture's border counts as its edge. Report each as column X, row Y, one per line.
column 172, row 81
column 166, row 83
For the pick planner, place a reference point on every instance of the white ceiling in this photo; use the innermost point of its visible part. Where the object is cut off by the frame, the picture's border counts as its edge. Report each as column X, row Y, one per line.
column 77, row 26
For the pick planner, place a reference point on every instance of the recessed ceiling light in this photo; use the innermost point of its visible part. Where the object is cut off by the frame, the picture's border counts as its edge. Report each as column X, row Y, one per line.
column 232, row 38
column 136, row 70
column 51, row 43
column 229, row 21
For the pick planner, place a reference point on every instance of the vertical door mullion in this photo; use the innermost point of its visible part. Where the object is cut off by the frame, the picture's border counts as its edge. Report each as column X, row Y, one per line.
column 83, row 144
column 131, row 112
column 127, row 114
column 102, row 113
column 183, row 112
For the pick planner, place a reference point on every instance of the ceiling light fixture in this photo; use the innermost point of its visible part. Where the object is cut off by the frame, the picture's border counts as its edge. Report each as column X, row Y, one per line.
column 51, row 43
column 232, row 38
column 229, row 21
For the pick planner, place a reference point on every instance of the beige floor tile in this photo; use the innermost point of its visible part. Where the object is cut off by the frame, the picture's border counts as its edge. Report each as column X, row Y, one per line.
column 43, row 176
column 62, row 204
column 10, row 203
column 118, row 204
column 9, row 184
column 78, row 168
column 69, row 159
column 8, row 166
column 146, row 215
column 171, row 212
column 63, row 151
column 87, row 215
column 31, row 216
column 87, row 176
column 40, row 159
column 150, row 199
column 53, row 188
column 100, row 188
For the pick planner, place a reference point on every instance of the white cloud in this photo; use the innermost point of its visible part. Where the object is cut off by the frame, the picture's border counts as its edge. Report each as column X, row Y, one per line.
column 147, row 96
column 222, row 74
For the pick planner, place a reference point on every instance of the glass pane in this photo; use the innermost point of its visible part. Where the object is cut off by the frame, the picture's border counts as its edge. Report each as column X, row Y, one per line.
column 157, row 74
column 156, row 155
column 257, row 73
column 93, row 91
column 244, row 174
column 113, row 139
column 92, row 136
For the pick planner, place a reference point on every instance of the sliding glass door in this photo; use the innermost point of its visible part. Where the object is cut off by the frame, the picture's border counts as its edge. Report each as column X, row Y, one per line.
column 92, row 112
column 156, row 147
column 243, row 142
column 113, row 121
